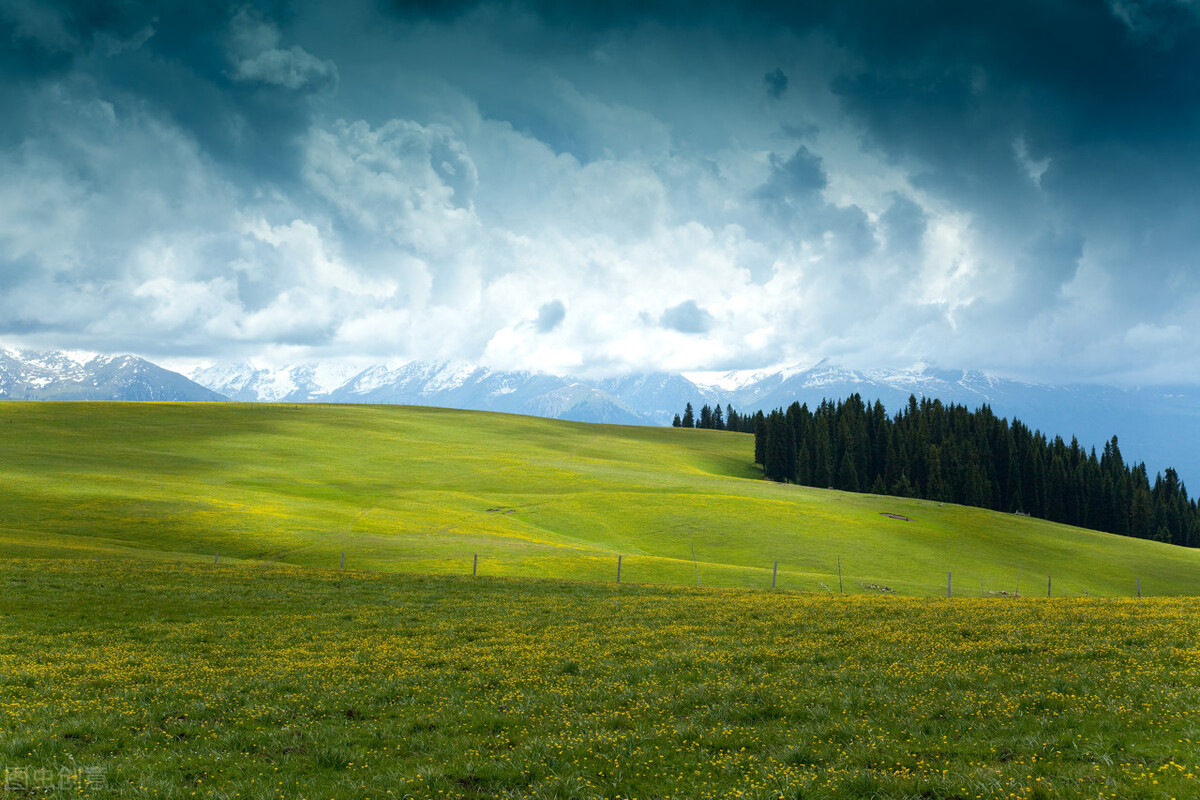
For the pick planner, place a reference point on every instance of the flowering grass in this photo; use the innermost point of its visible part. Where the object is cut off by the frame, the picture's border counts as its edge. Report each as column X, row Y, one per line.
column 425, row 490
column 220, row 681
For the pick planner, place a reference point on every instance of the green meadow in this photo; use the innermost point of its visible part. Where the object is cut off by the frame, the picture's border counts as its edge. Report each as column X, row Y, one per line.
column 424, row 490
column 142, row 679
column 132, row 665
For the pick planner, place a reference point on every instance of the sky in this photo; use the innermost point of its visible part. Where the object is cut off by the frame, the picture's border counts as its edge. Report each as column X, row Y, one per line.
column 601, row 188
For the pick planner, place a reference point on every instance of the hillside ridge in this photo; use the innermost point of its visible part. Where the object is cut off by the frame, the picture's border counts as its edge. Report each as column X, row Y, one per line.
column 415, row 489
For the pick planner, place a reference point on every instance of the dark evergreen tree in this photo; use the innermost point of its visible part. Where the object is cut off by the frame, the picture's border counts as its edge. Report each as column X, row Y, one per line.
column 760, row 439
column 779, row 442
column 688, row 420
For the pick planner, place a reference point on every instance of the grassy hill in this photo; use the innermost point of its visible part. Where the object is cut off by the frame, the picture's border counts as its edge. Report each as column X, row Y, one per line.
column 424, row 490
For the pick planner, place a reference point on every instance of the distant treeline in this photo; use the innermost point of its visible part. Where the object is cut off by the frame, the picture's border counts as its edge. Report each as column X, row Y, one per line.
column 950, row 454
column 715, row 419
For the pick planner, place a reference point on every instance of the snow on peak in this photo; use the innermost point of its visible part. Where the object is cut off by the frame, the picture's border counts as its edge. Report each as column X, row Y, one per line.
column 452, row 375
column 80, row 357
column 736, row 380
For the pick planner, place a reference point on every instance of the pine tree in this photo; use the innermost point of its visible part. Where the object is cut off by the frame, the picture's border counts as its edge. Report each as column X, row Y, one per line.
column 688, row 420
column 760, row 439
column 847, row 477
column 935, row 488
column 822, row 459
column 779, row 439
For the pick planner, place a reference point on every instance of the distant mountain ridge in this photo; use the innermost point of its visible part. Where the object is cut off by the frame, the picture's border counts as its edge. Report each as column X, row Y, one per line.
column 1156, row 425
column 77, row 375
column 445, row 384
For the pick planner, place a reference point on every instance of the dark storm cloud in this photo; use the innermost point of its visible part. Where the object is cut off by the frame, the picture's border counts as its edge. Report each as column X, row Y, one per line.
column 1049, row 261
column 944, row 81
column 794, row 180
column 687, row 317
column 793, row 196
column 776, row 83
column 178, row 59
column 952, row 84
column 550, row 316
column 903, row 225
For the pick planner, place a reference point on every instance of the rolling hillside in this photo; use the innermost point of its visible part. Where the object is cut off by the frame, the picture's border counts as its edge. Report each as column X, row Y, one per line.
column 424, row 490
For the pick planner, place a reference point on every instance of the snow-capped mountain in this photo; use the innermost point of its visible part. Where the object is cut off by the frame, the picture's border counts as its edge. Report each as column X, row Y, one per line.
column 772, row 389
column 659, row 396
column 299, row 383
column 77, row 375
column 443, row 384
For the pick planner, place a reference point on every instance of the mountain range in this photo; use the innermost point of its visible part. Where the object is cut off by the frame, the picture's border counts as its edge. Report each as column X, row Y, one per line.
column 1158, row 426
column 76, row 375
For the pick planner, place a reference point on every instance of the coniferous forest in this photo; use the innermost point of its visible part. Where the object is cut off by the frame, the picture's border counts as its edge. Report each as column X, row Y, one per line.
column 951, row 454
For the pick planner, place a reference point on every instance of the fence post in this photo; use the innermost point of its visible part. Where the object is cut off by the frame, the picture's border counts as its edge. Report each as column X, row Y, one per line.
column 618, row 569
column 1018, row 592
column 774, row 573
column 475, row 566
column 949, row 583
column 1047, row 586
column 217, row 560
column 343, row 564
column 1139, row 580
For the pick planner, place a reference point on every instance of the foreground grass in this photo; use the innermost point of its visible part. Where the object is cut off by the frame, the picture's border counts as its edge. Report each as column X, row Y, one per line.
column 426, row 490
column 180, row 681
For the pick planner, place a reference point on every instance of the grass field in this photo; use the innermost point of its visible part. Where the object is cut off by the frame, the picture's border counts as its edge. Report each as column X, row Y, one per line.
column 148, row 679
column 425, row 490
column 131, row 665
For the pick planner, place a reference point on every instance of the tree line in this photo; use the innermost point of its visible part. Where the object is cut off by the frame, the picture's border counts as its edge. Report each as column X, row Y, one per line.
column 714, row 419
column 948, row 453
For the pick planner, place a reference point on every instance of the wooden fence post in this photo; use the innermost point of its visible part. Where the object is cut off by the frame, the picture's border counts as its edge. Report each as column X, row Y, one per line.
column 1139, row 580
column 618, row 569
column 1047, row 586
column 217, row 560
column 774, row 573
column 343, row 564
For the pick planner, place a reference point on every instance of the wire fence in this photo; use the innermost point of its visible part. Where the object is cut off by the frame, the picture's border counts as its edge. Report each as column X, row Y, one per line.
column 630, row 569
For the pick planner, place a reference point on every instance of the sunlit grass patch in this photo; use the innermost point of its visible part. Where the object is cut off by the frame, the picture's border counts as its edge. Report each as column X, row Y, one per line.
column 269, row 681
